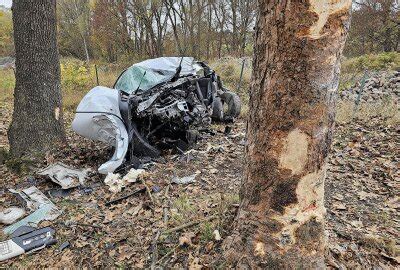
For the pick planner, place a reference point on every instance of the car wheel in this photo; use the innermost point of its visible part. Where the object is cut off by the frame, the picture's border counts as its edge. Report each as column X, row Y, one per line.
column 217, row 110
column 234, row 105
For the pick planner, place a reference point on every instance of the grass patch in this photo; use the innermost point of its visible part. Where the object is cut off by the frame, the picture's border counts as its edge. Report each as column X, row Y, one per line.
column 382, row 218
column 346, row 111
column 183, row 204
column 77, row 78
column 382, row 61
column 206, row 232
column 182, row 209
column 353, row 69
column 7, row 84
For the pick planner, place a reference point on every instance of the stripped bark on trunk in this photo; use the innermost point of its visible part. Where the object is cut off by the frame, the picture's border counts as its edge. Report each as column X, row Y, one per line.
column 280, row 223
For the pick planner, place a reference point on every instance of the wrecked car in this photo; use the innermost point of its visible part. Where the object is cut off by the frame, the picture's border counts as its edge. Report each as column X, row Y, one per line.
column 156, row 104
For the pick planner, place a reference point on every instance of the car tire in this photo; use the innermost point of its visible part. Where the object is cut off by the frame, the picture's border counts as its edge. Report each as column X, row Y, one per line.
column 217, row 109
column 234, row 105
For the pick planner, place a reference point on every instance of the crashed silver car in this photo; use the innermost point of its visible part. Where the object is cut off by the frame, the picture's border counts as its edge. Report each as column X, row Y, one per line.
column 155, row 104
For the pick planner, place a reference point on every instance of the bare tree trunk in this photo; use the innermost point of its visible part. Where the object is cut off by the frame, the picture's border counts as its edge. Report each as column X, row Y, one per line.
column 82, row 32
column 209, row 29
column 234, row 7
column 37, row 119
column 221, row 22
column 170, row 9
column 85, row 47
column 191, row 27
column 280, row 223
column 386, row 9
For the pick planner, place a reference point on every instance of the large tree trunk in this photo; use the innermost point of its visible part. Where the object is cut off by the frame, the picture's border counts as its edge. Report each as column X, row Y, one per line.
column 280, row 223
column 37, row 119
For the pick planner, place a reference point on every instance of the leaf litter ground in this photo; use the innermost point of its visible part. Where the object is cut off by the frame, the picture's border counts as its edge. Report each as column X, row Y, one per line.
column 181, row 226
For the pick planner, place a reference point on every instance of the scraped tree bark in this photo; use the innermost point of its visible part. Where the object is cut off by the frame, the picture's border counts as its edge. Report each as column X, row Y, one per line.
column 280, row 223
column 37, row 119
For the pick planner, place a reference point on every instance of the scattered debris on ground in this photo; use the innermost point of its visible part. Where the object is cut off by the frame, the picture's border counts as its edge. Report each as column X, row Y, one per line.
column 65, row 176
column 10, row 215
column 26, row 239
column 186, row 179
column 153, row 222
column 42, row 208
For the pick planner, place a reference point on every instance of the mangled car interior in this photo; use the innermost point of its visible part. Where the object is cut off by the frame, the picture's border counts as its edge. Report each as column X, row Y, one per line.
column 157, row 104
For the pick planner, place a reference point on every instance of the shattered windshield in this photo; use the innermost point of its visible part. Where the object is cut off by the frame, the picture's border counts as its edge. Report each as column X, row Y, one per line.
column 134, row 76
column 152, row 72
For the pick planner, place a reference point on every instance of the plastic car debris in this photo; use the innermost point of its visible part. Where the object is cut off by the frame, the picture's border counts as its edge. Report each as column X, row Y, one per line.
column 184, row 180
column 59, row 193
column 132, row 175
column 155, row 189
column 115, row 183
column 11, row 214
column 64, row 175
column 33, row 197
column 86, row 190
column 63, row 246
column 36, row 201
column 26, row 239
column 33, row 219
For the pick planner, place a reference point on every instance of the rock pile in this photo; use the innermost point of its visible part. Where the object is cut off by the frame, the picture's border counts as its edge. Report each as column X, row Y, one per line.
column 378, row 87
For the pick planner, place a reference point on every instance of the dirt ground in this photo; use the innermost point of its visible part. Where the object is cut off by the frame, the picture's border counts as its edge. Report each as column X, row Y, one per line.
column 142, row 231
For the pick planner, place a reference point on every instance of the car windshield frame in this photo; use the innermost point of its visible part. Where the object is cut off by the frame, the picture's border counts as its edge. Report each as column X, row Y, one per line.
column 140, row 78
column 158, row 70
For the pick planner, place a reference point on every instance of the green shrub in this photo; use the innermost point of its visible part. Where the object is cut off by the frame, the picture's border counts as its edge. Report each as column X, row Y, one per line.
column 76, row 75
column 77, row 78
column 374, row 62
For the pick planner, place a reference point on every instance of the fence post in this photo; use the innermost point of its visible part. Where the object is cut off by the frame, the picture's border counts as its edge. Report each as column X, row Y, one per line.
column 358, row 100
column 97, row 75
column 241, row 75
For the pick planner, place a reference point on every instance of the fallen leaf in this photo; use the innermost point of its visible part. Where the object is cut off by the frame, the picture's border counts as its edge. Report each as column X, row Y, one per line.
column 338, row 197
column 339, row 206
column 80, row 243
column 356, row 223
column 194, row 263
column 133, row 211
column 186, row 239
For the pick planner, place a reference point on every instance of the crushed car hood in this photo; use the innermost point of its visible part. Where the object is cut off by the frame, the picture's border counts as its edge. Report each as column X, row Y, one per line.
column 152, row 72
